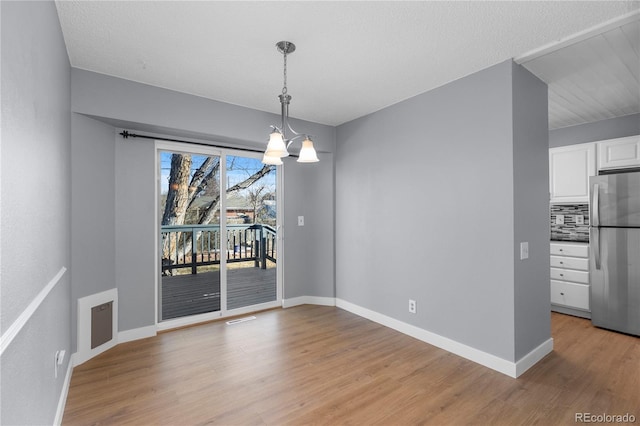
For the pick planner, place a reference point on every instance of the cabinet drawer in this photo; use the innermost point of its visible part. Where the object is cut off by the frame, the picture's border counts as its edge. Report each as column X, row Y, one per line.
column 570, row 295
column 570, row 250
column 562, row 262
column 570, row 275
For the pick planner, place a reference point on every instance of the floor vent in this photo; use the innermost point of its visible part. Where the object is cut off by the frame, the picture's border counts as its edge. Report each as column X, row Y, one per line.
column 101, row 324
column 239, row 320
column 97, row 324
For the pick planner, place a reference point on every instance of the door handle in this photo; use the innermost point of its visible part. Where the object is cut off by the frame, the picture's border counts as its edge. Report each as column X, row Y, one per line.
column 595, row 238
column 595, row 223
column 595, row 206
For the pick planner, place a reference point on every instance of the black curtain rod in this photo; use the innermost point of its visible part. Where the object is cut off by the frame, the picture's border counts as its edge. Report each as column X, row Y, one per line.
column 125, row 135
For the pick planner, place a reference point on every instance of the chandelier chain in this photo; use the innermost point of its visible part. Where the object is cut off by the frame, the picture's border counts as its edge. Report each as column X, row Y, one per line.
column 284, row 88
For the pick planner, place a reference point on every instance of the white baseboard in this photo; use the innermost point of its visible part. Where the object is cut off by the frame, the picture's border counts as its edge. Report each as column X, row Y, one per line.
column 308, row 300
column 512, row 369
column 62, row 401
column 532, row 358
column 136, row 334
column 501, row 365
column 81, row 357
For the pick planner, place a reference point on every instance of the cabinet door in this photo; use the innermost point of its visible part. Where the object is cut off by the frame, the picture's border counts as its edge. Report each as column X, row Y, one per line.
column 619, row 153
column 569, row 171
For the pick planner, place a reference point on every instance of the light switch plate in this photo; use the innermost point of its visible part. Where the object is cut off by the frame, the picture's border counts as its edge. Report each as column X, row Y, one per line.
column 524, row 250
column 559, row 219
column 300, row 220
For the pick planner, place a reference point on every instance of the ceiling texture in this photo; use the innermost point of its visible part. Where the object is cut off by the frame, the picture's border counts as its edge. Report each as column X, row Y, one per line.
column 357, row 57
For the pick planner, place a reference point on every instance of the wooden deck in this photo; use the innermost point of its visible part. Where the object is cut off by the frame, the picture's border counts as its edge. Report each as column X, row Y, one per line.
column 184, row 295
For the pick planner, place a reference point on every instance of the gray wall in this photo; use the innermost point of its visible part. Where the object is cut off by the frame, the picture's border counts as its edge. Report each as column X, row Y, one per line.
column 309, row 250
column 135, row 230
column 612, row 128
column 531, row 210
column 35, row 209
column 426, row 209
column 92, row 209
column 165, row 111
column 107, row 103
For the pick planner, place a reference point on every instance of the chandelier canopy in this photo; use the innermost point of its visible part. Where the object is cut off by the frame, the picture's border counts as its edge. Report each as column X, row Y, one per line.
column 279, row 141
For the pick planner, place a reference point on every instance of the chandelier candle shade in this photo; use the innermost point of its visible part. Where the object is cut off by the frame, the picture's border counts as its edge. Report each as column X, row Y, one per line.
column 279, row 142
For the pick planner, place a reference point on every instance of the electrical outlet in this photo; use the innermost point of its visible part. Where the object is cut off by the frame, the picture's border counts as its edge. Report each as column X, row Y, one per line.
column 579, row 219
column 58, row 359
column 412, row 306
column 559, row 219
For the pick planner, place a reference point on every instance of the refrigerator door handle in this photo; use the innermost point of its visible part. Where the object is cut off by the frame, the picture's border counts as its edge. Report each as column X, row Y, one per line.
column 595, row 205
column 595, row 222
column 595, row 237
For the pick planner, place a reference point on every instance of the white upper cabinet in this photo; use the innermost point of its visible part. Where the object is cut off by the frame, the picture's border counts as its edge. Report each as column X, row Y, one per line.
column 619, row 153
column 569, row 171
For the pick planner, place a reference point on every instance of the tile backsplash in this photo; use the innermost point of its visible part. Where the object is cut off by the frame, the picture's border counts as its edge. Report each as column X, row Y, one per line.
column 570, row 230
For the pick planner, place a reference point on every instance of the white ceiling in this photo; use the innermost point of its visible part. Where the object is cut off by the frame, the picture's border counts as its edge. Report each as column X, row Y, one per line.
column 352, row 58
column 594, row 79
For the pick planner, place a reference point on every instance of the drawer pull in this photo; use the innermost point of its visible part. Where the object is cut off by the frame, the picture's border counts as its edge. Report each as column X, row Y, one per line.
column 562, row 263
column 562, row 275
column 561, row 294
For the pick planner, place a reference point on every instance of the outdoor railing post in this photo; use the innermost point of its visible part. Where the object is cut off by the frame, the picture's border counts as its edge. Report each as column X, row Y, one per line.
column 263, row 249
column 194, row 268
column 256, row 244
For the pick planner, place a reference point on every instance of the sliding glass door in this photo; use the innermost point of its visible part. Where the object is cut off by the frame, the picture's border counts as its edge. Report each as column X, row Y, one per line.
column 217, row 238
column 189, row 234
column 251, row 232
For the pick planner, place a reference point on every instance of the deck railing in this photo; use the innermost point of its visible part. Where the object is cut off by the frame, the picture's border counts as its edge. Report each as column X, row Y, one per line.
column 191, row 246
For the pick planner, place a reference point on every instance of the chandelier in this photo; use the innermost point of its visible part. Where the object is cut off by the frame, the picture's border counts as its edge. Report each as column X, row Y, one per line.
column 279, row 141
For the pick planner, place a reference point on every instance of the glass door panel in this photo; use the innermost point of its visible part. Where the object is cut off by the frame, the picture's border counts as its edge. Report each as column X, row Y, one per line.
column 190, row 234
column 251, row 232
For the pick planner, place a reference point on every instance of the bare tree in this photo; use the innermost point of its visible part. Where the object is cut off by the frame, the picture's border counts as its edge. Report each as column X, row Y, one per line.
column 183, row 192
column 178, row 195
column 256, row 197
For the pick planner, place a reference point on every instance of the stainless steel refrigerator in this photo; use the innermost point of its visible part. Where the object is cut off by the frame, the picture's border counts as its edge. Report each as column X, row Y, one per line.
column 614, row 255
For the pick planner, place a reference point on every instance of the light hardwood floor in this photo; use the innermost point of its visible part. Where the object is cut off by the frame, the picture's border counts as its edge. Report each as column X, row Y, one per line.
column 323, row 365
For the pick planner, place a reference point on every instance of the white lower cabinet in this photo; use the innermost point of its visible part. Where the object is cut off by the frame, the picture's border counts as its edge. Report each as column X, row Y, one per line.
column 570, row 294
column 570, row 275
column 570, row 278
column 564, row 262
